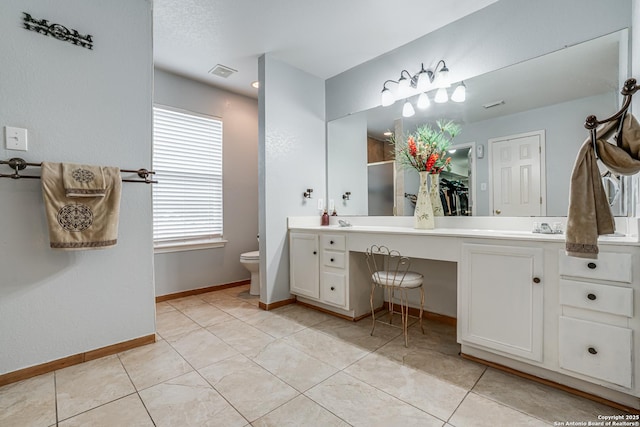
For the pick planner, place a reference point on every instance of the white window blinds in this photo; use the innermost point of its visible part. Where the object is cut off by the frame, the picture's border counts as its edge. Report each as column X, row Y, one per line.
column 187, row 158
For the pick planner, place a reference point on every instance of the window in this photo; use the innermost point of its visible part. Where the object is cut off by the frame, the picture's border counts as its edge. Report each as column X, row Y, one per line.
column 187, row 201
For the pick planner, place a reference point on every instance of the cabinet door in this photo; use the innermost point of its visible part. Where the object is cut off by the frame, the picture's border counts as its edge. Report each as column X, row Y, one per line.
column 305, row 261
column 501, row 299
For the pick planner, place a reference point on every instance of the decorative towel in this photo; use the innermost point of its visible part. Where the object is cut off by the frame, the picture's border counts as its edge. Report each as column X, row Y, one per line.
column 83, row 180
column 589, row 213
column 91, row 224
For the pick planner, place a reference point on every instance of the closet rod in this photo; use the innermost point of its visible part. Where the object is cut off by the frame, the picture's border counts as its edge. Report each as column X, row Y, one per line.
column 18, row 164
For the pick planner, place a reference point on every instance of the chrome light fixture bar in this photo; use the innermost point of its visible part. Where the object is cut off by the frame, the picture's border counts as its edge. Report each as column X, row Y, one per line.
column 422, row 82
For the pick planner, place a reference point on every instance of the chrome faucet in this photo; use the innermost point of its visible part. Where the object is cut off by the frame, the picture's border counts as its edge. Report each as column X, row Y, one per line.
column 545, row 228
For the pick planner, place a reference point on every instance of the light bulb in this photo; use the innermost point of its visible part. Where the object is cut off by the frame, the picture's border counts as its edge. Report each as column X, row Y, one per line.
column 460, row 94
column 423, row 101
column 387, row 97
column 443, row 78
column 441, row 96
column 404, row 87
column 423, row 81
column 407, row 110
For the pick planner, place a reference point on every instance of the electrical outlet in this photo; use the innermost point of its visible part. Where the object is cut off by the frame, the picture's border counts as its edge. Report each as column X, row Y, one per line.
column 15, row 138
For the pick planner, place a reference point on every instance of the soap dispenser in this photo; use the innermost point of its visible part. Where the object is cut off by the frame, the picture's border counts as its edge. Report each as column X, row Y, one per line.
column 325, row 218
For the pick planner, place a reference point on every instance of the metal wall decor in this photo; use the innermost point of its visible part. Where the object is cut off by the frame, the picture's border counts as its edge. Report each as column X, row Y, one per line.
column 57, row 31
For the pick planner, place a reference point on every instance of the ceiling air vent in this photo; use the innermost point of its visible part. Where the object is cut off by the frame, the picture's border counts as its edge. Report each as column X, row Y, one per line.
column 222, row 71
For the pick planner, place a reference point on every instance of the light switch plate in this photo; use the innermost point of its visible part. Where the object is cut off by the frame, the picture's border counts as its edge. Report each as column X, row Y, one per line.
column 15, row 138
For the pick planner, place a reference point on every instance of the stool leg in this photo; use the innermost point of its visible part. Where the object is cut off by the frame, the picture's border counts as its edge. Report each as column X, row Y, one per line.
column 421, row 307
column 404, row 308
column 373, row 313
column 391, row 291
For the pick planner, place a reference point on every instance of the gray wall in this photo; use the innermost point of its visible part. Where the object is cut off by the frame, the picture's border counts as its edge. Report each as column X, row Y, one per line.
column 503, row 33
column 292, row 158
column 180, row 271
column 82, row 106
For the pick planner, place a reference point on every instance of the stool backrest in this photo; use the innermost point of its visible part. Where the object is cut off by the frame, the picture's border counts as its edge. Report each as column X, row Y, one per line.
column 387, row 267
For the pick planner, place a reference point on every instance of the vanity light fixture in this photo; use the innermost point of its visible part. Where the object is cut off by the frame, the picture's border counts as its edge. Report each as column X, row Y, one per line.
column 421, row 82
column 460, row 93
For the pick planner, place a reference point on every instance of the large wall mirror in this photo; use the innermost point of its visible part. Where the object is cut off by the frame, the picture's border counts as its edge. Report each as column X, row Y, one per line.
column 541, row 103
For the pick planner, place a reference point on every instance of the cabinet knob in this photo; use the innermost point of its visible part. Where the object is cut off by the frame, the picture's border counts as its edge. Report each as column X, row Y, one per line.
column 592, row 297
column 536, row 280
column 592, row 350
column 331, row 259
column 592, row 265
column 314, row 252
column 498, row 211
column 333, row 288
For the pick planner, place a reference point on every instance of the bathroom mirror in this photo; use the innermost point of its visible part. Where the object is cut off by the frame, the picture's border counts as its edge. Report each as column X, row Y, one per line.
column 550, row 95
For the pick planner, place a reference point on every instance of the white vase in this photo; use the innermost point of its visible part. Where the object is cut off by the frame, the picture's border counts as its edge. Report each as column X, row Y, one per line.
column 434, row 195
column 423, row 215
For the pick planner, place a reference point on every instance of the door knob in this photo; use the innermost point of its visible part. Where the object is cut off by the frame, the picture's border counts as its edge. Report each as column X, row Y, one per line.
column 498, row 211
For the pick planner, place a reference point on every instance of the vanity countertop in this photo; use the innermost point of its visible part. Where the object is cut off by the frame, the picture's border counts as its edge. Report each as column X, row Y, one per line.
column 518, row 233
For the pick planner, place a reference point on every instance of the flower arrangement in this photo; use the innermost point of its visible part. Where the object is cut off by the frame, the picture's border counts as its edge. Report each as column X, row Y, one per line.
column 426, row 148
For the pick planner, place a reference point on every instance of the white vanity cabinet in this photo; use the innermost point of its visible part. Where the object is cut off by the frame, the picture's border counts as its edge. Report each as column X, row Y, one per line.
column 595, row 338
column 501, row 299
column 305, row 263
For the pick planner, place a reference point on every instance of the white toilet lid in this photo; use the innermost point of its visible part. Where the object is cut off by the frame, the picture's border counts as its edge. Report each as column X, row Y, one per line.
column 255, row 255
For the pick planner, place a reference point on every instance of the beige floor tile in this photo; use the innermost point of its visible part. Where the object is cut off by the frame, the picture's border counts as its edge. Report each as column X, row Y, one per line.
column 302, row 315
column 300, row 411
column 432, row 395
column 128, row 411
column 152, row 364
column 336, row 353
column 90, row 384
column 294, row 367
column 252, row 390
column 239, row 292
column 201, row 348
column 218, row 297
column 163, row 307
column 206, row 314
column 30, row 402
column 275, row 325
column 539, row 400
column 189, row 401
column 358, row 335
column 360, row 404
column 237, row 308
column 418, row 355
column 182, row 303
column 478, row 411
column 173, row 323
column 243, row 337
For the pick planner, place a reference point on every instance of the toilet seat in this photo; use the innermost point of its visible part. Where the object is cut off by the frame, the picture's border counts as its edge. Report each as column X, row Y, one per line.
column 250, row 256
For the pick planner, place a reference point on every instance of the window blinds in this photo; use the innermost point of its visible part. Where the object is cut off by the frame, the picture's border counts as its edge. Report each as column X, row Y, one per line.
column 187, row 158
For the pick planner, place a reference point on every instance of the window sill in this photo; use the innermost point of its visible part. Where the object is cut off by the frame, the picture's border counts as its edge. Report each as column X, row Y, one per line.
column 192, row 245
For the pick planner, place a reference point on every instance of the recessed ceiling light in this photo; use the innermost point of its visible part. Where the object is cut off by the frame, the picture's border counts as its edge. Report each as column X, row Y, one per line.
column 453, row 150
column 255, row 84
column 387, row 133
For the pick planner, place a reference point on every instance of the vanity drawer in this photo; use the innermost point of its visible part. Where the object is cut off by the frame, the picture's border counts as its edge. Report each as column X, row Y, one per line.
column 596, row 350
column 592, row 296
column 334, row 289
column 608, row 266
column 334, row 259
column 334, row 242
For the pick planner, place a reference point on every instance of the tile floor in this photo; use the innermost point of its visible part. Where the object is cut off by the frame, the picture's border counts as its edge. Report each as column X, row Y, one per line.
column 221, row 361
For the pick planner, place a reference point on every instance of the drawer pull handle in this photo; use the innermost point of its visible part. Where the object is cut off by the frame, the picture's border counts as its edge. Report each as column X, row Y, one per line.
column 536, row 280
column 593, row 350
column 333, row 288
column 592, row 297
column 331, row 242
column 592, row 265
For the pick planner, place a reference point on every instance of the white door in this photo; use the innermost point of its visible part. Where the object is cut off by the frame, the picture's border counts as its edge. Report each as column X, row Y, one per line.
column 517, row 175
column 305, row 264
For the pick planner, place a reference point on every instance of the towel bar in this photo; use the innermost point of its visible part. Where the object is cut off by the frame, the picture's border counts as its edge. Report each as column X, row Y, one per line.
column 18, row 164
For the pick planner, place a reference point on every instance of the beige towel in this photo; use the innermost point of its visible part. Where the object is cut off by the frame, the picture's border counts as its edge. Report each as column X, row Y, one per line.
column 589, row 211
column 91, row 224
column 83, row 180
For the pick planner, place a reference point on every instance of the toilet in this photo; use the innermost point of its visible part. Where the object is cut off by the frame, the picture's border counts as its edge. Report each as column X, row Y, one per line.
column 251, row 261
